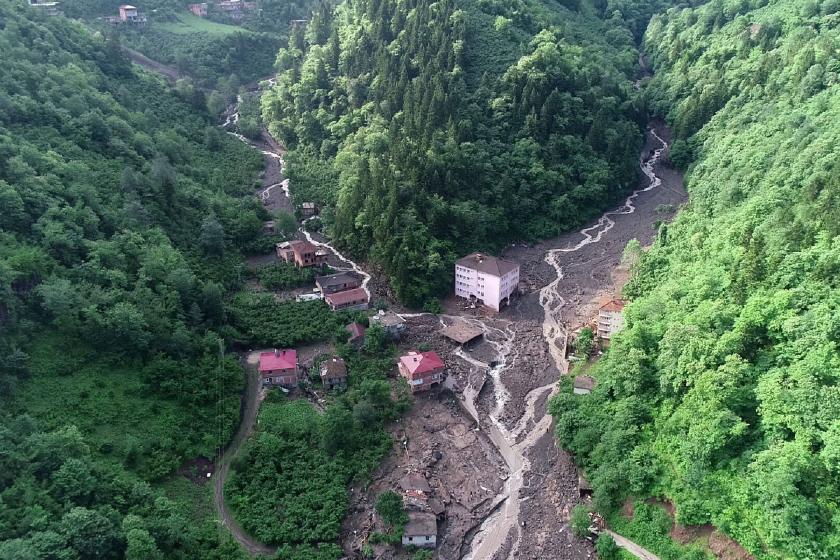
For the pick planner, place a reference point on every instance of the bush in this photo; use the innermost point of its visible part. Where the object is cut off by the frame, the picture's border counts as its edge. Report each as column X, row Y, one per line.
column 389, row 505
column 606, row 548
column 580, row 521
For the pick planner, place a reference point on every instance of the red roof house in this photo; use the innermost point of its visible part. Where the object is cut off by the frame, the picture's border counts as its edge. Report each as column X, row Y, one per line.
column 356, row 298
column 279, row 368
column 422, row 370
column 301, row 253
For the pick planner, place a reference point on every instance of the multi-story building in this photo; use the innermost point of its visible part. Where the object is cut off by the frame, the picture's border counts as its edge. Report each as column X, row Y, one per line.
column 486, row 279
column 610, row 318
column 279, row 368
column 301, row 253
column 422, row 370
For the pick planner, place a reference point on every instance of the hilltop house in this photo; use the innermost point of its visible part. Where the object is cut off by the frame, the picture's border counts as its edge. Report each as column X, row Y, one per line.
column 338, row 282
column 421, row 530
column 393, row 325
column 333, row 373
column 301, row 253
column 279, row 367
column 355, row 299
column 235, row 9
column 49, row 8
column 422, row 370
column 610, row 318
column 199, row 9
column 486, row 279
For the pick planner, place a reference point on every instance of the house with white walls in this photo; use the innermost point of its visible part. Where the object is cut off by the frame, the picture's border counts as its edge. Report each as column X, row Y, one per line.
column 486, row 279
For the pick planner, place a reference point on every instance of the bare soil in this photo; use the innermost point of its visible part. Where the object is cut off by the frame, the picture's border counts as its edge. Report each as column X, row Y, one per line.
column 591, row 276
column 438, row 440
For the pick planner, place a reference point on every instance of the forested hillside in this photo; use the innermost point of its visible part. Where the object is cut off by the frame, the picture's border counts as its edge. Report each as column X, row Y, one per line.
column 122, row 210
column 430, row 129
column 721, row 393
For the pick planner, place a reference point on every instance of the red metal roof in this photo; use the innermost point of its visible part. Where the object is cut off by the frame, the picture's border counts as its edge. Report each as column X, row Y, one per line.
column 278, row 359
column 421, row 362
column 341, row 298
column 614, row 305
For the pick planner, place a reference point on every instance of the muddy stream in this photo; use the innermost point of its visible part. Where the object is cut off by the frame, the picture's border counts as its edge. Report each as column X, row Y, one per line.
column 503, row 523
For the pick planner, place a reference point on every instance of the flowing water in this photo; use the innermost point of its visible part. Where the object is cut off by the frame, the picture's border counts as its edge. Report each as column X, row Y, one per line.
column 504, row 520
column 501, row 524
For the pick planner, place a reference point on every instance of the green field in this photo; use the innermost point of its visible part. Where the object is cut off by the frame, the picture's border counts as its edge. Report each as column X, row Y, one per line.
column 189, row 23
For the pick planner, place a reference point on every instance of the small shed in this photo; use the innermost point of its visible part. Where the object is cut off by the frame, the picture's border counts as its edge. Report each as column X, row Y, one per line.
column 308, row 209
column 421, row 530
column 461, row 332
column 269, row 227
column 584, row 384
column 333, row 373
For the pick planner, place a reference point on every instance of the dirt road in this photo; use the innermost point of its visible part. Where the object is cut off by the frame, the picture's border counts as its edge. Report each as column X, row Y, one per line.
column 250, row 407
column 168, row 72
column 631, row 547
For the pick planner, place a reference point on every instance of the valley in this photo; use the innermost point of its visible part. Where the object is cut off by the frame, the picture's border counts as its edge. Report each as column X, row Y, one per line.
column 251, row 305
column 519, row 498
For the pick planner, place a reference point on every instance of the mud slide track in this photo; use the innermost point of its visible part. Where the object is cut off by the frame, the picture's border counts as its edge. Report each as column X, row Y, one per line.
column 168, row 72
column 503, row 525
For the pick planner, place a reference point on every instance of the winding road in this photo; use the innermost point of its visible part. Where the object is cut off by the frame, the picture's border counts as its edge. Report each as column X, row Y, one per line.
column 513, row 444
column 251, row 399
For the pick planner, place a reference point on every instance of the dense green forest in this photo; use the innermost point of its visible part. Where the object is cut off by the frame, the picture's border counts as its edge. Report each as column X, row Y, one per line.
column 122, row 210
column 217, row 52
column 721, row 393
column 289, row 484
column 429, row 129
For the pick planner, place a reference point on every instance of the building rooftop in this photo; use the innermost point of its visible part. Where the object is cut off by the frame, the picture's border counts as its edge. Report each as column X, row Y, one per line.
column 347, row 296
column 420, row 524
column 421, row 362
column 356, row 330
column 613, row 305
column 461, row 332
column 387, row 319
column 278, row 359
column 333, row 368
column 337, row 279
column 415, row 481
column 487, row 264
column 585, row 382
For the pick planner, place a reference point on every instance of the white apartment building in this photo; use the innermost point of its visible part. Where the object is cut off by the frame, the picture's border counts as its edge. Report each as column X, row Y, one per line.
column 486, row 279
column 610, row 318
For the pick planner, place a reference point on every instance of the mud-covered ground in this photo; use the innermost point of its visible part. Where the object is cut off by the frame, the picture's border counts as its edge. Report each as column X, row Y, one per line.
column 591, row 275
column 505, row 378
column 437, row 441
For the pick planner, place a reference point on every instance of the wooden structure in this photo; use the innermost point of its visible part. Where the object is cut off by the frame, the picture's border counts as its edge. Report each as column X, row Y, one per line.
column 461, row 332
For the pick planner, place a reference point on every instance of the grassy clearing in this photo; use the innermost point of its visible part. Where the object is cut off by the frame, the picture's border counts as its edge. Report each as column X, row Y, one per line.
column 189, row 23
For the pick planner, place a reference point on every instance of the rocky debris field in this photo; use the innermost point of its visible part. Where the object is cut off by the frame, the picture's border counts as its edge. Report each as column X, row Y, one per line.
column 465, row 473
